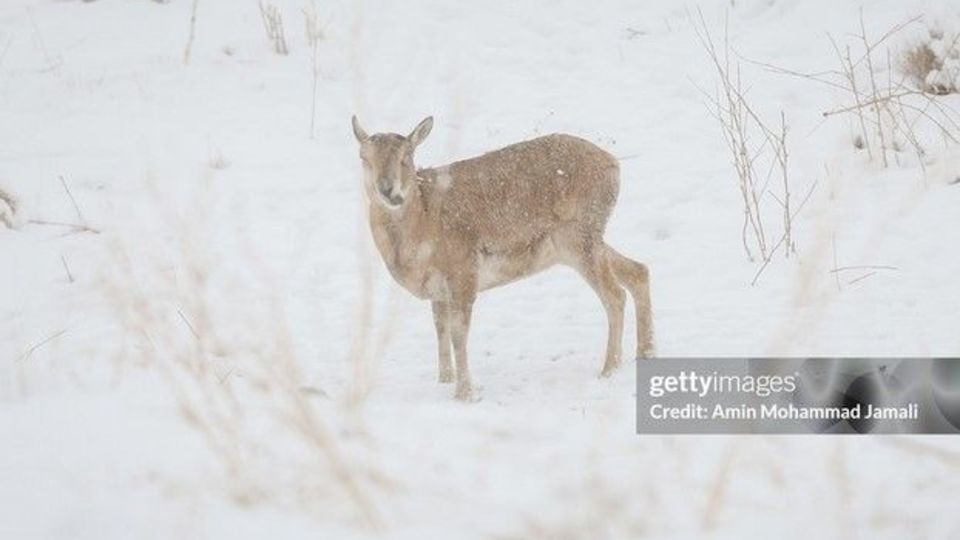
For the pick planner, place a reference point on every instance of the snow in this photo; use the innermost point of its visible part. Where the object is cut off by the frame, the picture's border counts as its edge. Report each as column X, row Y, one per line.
column 220, row 230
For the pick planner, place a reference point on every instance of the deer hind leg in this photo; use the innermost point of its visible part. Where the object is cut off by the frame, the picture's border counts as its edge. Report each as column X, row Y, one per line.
column 635, row 277
column 593, row 264
column 441, row 320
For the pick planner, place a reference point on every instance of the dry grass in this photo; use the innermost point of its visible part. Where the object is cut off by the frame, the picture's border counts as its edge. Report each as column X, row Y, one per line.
column 220, row 344
column 273, row 26
column 933, row 64
column 79, row 225
column 919, row 61
column 216, row 160
column 8, row 209
column 193, row 32
column 314, row 33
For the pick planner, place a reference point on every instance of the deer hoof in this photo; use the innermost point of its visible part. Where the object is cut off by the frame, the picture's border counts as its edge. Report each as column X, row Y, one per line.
column 465, row 393
column 445, row 376
column 608, row 370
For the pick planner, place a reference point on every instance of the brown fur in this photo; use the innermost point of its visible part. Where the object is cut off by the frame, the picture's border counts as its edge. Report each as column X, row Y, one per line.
column 450, row 232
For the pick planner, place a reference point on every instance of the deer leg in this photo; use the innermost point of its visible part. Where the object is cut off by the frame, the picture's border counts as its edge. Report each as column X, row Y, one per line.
column 461, row 308
column 635, row 277
column 441, row 320
column 594, row 266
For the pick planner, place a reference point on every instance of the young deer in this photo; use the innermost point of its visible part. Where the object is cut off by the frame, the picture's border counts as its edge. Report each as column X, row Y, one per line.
column 450, row 232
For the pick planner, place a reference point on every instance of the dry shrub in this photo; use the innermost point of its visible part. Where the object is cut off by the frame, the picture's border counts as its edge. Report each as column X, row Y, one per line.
column 919, row 61
column 933, row 64
column 220, row 344
column 759, row 155
column 8, row 209
column 890, row 115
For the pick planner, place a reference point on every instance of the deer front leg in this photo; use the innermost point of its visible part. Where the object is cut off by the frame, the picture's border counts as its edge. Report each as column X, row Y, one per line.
column 461, row 308
column 441, row 320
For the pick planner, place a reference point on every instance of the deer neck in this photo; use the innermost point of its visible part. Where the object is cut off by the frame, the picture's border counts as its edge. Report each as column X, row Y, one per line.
column 401, row 236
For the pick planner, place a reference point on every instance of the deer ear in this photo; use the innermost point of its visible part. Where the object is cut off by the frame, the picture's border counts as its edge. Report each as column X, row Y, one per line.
column 358, row 131
column 420, row 132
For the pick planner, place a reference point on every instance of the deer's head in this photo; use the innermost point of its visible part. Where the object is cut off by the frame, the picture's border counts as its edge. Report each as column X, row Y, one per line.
column 388, row 169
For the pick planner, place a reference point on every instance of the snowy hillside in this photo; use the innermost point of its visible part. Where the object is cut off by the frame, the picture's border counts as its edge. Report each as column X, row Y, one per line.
column 198, row 339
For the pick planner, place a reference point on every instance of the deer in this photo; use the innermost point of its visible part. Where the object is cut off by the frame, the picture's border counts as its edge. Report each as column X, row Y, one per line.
column 448, row 233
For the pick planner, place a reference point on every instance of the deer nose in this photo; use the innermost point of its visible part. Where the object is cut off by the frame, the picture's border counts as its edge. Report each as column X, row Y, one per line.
column 389, row 193
column 395, row 200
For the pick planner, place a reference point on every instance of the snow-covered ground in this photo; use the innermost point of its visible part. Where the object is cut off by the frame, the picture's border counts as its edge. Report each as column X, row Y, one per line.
column 220, row 352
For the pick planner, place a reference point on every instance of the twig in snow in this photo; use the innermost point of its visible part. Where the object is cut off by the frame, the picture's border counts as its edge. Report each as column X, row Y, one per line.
column 861, row 278
column 766, row 261
column 29, row 352
column 193, row 28
column 66, row 268
column 187, row 322
column 74, row 228
column 76, row 206
column 80, row 227
column 836, row 275
column 225, row 376
column 837, row 269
